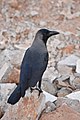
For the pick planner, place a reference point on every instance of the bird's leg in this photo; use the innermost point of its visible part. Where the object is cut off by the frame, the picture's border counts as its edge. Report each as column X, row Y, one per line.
column 39, row 88
column 31, row 89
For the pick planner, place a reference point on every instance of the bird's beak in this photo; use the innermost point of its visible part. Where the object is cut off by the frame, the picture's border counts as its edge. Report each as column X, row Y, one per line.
column 53, row 33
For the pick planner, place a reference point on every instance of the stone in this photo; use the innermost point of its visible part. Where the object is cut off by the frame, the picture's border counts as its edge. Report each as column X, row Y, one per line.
column 63, row 92
column 14, row 4
column 14, row 56
column 49, row 87
column 6, row 88
column 49, row 97
column 75, row 81
column 13, row 76
column 69, row 61
column 4, row 71
column 1, row 112
column 74, row 104
column 49, row 74
column 63, row 78
column 68, row 49
column 34, row 13
column 42, row 23
column 64, row 70
column 28, row 108
column 78, row 66
column 62, row 113
column 2, row 46
column 49, row 107
column 74, row 95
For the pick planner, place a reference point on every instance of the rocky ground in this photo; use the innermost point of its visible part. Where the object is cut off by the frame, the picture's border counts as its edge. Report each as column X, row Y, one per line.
column 19, row 22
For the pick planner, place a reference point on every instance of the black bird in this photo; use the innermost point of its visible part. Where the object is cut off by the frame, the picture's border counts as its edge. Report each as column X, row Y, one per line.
column 33, row 65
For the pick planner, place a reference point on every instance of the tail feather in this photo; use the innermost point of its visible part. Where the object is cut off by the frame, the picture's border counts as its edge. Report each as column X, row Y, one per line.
column 15, row 96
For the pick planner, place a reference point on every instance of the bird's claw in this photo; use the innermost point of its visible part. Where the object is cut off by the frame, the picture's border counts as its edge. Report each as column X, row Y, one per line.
column 31, row 89
column 40, row 91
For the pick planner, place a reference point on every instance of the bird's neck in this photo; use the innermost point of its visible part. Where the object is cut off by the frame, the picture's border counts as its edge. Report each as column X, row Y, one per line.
column 40, row 39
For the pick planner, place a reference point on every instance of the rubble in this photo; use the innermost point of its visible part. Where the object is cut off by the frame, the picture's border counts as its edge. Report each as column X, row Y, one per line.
column 61, row 113
column 27, row 108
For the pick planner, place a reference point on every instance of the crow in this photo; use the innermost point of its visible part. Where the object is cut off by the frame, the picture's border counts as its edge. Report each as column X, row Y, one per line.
column 33, row 65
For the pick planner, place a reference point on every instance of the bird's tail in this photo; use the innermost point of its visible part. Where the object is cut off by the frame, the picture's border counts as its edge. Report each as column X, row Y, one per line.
column 15, row 96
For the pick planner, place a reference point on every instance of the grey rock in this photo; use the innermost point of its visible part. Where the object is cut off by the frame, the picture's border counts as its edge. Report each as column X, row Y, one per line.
column 5, row 90
column 64, row 70
column 14, row 56
column 50, row 107
column 34, row 13
column 49, row 87
column 75, row 81
column 78, row 66
column 42, row 23
column 74, row 95
column 63, row 92
column 69, row 61
column 74, row 104
column 4, row 71
column 64, row 78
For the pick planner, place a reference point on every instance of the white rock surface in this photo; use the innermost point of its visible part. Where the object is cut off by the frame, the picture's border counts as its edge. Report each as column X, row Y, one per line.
column 74, row 95
column 3, row 70
column 49, row 97
column 78, row 66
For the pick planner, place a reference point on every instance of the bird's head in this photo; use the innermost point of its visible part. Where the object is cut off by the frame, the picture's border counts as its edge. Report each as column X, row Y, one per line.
column 44, row 34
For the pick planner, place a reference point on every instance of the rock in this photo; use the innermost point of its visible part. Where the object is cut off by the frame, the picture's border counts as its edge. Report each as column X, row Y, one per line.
column 13, row 76
column 2, row 46
column 14, row 4
column 28, row 108
column 42, row 23
column 75, row 81
column 1, row 113
column 4, row 71
column 34, row 13
column 56, row 43
column 68, row 49
column 63, row 92
column 22, row 46
column 50, row 107
column 78, row 66
column 69, row 61
column 74, row 104
column 5, row 88
column 60, row 82
column 49, row 97
column 74, row 95
column 63, row 78
column 14, row 56
column 62, row 113
column 49, row 87
column 64, row 70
